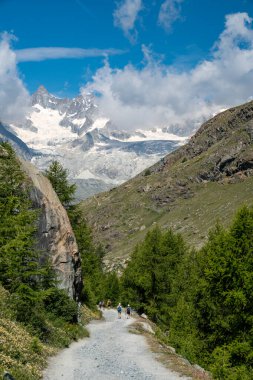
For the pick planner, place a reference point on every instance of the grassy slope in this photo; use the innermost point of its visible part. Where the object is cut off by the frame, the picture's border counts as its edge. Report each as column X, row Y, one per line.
column 188, row 190
column 21, row 352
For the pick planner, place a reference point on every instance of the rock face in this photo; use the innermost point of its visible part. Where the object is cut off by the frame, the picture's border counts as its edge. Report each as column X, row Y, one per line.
column 56, row 239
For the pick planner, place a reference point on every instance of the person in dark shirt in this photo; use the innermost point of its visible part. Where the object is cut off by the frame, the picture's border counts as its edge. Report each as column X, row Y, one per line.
column 128, row 311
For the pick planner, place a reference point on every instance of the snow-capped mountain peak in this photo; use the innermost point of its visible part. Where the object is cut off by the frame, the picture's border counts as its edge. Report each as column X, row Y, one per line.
column 44, row 98
column 97, row 155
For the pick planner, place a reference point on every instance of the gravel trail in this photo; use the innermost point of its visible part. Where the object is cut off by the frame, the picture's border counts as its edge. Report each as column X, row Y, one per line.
column 110, row 353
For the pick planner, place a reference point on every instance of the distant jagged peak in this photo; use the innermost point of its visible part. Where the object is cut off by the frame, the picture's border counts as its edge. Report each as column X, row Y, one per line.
column 81, row 103
column 42, row 89
column 44, row 98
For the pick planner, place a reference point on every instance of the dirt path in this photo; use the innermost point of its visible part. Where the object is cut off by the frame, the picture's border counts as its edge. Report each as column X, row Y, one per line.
column 110, row 353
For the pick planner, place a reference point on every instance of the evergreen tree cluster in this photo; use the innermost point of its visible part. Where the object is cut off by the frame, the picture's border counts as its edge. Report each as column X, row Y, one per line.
column 98, row 285
column 35, row 299
column 202, row 300
column 58, row 176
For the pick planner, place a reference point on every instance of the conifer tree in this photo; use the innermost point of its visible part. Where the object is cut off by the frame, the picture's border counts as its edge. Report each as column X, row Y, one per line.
column 18, row 259
column 20, row 271
column 91, row 258
column 58, row 176
column 225, row 294
column 147, row 280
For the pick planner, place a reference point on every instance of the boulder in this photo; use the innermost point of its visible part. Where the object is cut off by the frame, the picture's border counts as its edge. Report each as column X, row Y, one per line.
column 146, row 327
column 56, row 240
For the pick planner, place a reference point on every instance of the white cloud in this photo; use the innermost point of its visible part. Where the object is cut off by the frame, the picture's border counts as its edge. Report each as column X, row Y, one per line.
column 43, row 53
column 170, row 11
column 159, row 95
column 14, row 98
column 125, row 16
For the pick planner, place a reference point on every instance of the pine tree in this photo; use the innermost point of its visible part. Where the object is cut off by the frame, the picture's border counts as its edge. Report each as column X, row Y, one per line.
column 147, row 280
column 91, row 256
column 18, row 259
column 20, row 271
column 58, row 176
column 225, row 297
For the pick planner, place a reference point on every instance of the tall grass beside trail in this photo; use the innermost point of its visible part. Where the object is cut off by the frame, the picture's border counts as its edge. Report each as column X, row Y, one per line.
column 24, row 348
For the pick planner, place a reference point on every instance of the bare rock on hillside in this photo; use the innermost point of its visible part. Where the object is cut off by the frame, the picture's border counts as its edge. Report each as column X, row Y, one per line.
column 56, row 239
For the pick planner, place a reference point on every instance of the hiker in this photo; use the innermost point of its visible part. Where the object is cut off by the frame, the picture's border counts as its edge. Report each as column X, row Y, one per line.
column 128, row 311
column 109, row 302
column 119, row 310
column 100, row 305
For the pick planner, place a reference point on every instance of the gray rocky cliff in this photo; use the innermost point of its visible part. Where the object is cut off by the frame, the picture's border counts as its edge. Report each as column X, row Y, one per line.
column 56, row 239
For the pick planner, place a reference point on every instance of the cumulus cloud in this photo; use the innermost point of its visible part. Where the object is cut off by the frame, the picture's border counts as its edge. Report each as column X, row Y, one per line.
column 14, row 98
column 160, row 96
column 125, row 16
column 43, row 53
column 170, row 11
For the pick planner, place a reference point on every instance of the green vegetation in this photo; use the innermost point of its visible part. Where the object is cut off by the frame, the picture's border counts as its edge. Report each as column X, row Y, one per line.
column 35, row 316
column 91, row 256
column 98, row 285
column 188, row 190
column 58, row 176
column 147, row 280
column 201, row 300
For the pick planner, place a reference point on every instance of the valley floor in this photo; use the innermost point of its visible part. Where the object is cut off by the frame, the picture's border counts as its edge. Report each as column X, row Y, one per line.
column 110, row 353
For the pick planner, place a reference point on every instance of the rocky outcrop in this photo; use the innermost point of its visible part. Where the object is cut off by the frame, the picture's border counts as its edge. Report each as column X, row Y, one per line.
column 56, row 239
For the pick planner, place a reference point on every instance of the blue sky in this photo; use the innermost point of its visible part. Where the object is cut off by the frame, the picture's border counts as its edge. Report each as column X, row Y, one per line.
column 90, row 24
column 150, row 63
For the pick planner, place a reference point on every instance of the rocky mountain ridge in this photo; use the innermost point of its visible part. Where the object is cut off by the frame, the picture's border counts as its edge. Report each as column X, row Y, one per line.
column 20, row 147
column 188, row 190
column 97, row 154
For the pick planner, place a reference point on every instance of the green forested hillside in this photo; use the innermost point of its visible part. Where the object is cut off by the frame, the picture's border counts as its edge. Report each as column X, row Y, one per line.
column 188, row 190
column 202, row 300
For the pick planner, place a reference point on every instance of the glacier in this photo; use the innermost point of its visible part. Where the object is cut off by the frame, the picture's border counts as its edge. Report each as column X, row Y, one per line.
column 97, row 154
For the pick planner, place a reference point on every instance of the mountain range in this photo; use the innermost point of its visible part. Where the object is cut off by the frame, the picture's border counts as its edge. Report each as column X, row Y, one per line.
column 189, row 190
column 97, row 154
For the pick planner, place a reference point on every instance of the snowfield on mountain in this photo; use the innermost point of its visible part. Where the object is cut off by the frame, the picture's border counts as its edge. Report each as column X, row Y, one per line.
column 97, row 154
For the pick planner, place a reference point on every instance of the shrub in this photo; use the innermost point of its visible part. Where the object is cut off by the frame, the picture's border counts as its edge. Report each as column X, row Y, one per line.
column 59, row 304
